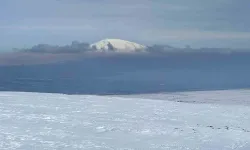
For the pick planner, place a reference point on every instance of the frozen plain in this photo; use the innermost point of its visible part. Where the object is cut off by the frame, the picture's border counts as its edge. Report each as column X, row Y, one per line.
column 212, row 120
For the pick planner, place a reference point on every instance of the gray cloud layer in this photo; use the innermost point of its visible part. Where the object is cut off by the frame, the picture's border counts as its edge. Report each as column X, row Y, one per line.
column 178, row 22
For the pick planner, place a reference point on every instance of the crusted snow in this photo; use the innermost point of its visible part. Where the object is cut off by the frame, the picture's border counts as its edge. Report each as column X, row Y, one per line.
column 117, row 45
column 55, row 121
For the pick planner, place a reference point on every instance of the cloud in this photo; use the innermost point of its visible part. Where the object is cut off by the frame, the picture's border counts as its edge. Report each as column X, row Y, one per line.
column 193, row 34
column 48, row 28
column 140, row 20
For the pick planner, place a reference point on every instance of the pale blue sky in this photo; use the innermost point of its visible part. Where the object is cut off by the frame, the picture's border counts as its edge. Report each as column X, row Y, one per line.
column 210, row 23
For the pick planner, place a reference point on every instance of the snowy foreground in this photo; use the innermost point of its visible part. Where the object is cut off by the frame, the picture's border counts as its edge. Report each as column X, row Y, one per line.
column 32, row 121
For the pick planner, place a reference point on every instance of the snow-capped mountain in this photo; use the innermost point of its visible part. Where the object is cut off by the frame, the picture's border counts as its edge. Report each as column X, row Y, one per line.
column 117, row 45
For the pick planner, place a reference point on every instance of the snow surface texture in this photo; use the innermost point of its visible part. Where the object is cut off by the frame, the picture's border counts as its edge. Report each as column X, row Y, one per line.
column 117, row 45
column 33, row 121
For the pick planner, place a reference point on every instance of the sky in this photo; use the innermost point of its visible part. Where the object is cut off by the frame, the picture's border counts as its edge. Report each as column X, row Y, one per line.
column 199, row 23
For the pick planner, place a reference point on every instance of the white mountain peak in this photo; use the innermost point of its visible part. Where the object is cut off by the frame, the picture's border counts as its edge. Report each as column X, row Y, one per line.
column 117, row 45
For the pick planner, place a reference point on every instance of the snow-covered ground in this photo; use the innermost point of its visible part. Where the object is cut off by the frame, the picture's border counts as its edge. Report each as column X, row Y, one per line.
column 32, row 121
column 225, row 97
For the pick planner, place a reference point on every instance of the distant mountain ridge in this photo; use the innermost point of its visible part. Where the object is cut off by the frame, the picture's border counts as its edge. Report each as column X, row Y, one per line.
column 118, row 46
